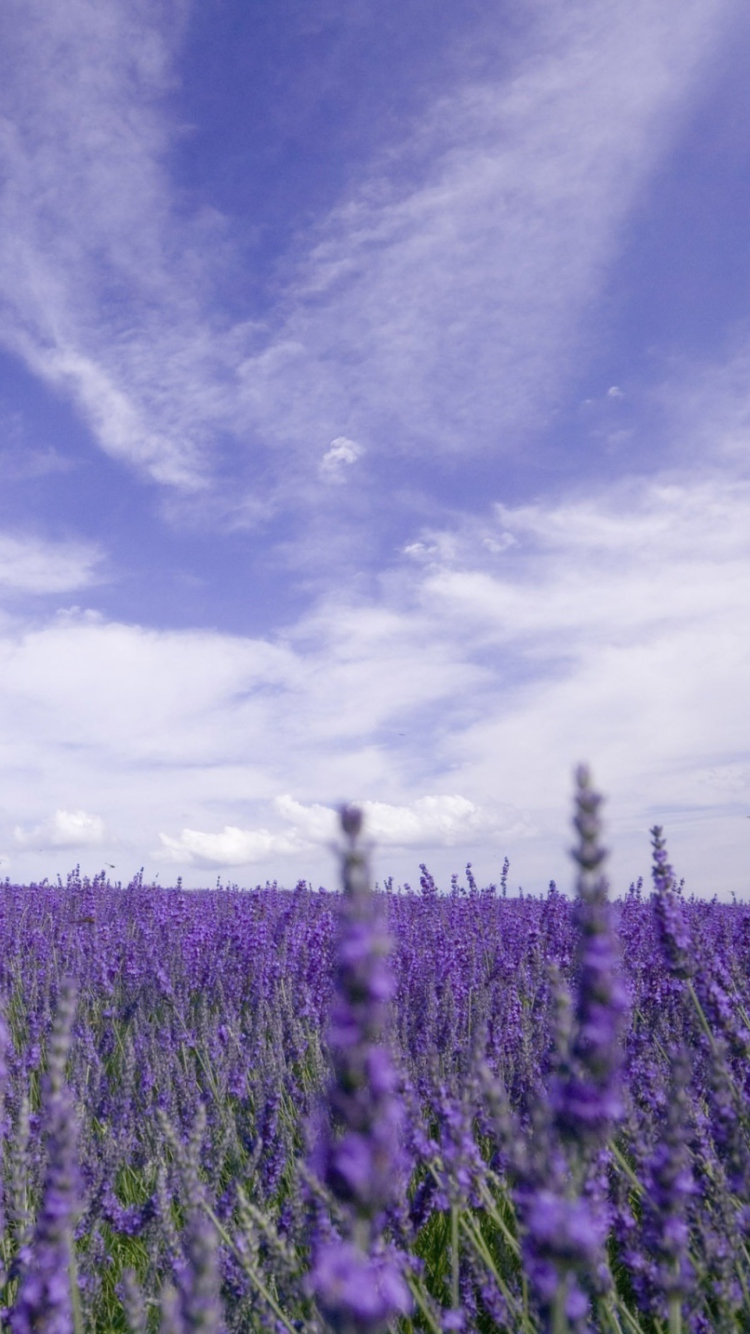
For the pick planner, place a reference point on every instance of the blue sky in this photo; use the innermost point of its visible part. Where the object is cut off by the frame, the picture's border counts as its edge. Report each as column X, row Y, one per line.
column 374, row 422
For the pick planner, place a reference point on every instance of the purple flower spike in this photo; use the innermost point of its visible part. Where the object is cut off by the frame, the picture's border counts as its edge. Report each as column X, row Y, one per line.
column 674, row 934
column 200, row 1285
column 670, row 1186
column 587, row 1100
column 358, row 1284
column 45, row 1299
column 560, row 1204
column 358, row 1293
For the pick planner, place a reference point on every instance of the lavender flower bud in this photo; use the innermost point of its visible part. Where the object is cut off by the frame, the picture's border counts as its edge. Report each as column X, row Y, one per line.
column 670, row 1187
column 44, row 1304
column 133, row 1303
column 171, row 1312
column 4, row 1044
column 674, row 935
column 357, row 1285
column 358, row 1293
column 561, row 1207
column 200, row 1281
column 586, row 1099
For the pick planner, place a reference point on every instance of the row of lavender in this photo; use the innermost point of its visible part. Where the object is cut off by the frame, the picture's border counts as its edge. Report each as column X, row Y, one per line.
column 231, row 1111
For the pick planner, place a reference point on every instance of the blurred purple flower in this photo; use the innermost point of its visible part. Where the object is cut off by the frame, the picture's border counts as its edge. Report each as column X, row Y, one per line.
column 669, row 1186
column 586, row 1095
column 674, row 934
column 44, row 1304
column 560, row 1206
column 358, row 1292
column 358, row 1155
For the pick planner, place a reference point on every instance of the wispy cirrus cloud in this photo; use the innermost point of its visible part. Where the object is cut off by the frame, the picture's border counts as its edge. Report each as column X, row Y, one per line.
column 98, row 290
column 33, row 565
column 434, row 307
column 452, row 288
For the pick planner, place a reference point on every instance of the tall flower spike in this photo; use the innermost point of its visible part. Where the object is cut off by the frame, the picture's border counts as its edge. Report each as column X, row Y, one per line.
column 674, row 934
column 587, row 1102
column 564, row 1221
column 4, row 1044
column 358, row 1285
column 46, row 1294
column 670, row 1185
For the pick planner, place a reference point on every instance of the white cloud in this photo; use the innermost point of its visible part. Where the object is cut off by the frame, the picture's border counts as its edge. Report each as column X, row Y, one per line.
column 341, row 455
column 441, row 821
column 437, row 821
column 424, row 313
column 64, row 829
column 462, row 272
column 454, row 706
column 314, row 823
column 232, row 847
column 31, row 565
column 98, row 280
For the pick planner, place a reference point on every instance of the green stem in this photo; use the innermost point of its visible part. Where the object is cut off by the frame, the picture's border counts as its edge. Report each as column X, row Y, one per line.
column 701, row 1016
column 455, row 1297
column 675, row 1315
column 633, row 1325
column 75, row 1295
column 559, row 1322
column 499, row 1221
column 419, row 1298
column 252, row 1274
column 627, row 1169
column 476, row 1239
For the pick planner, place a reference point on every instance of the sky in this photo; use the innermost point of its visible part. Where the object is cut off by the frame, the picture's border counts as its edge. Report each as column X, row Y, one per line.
column 374, row 426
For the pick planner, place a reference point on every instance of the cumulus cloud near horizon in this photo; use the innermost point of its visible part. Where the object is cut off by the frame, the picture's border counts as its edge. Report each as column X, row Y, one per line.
column 456, row 700
column 64, row 829
column 443, row 821
column 231, row 847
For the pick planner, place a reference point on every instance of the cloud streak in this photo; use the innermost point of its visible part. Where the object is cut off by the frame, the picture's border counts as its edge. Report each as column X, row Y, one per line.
column 435, row 307
column 31, row 566
column 98, row 291
column 455, row 305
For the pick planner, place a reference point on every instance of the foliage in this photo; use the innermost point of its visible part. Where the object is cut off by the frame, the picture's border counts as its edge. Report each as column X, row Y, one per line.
column 295, row 1110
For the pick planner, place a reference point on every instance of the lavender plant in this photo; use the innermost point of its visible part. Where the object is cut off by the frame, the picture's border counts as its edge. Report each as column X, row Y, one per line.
column 561, row 1199
column 356, row 1278
column 47, row 1298
column 503, row 1138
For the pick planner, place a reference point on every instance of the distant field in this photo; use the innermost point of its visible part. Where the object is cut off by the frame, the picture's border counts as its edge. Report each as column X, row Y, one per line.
column 550, row 1147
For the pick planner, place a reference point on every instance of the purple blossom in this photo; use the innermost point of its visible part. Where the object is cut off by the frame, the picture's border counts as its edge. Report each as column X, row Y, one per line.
column 564, row 1222
column 669, row 1187
column 359, row 1155
column 222, row 998
column 674, row 934
column 358, row 1292
column 44, row 1304
column 586, row 1096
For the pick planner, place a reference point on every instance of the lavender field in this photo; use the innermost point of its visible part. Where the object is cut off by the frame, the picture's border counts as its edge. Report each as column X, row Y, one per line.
column 364, row 1111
